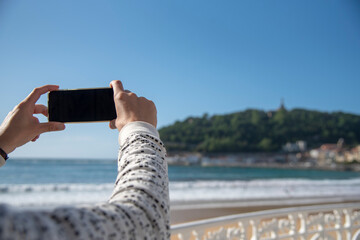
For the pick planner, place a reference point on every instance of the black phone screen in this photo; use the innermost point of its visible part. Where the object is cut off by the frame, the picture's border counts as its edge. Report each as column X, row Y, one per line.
column 81, row 105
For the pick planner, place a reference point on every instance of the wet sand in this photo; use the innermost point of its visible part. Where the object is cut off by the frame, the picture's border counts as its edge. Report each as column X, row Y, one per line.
column 182, row 212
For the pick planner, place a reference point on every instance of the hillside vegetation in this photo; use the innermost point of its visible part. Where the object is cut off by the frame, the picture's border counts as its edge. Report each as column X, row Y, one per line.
column 255, row 130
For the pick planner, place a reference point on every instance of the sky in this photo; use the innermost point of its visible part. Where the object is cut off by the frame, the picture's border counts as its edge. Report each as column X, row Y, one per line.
column 189, row 57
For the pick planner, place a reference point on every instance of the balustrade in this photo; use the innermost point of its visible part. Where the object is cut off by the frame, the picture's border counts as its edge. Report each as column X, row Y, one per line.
column 322, row 222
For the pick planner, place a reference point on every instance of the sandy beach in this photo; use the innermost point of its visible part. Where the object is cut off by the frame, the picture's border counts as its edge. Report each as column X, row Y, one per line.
column 182, row 212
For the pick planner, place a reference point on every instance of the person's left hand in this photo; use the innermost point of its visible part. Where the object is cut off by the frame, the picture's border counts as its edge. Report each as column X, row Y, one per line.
column 21, row 126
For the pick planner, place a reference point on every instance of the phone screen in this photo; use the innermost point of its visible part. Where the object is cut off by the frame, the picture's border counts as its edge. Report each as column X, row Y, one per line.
column 81, row 105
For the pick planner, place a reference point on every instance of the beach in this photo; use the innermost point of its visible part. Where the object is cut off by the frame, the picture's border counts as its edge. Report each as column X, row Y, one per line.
column 182, row 212
column 195, row 192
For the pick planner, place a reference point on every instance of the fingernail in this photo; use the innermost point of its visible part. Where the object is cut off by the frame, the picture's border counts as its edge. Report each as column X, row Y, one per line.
column 60, row 126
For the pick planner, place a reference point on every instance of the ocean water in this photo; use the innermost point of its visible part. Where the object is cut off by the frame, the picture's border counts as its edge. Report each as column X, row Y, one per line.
column 51, row 182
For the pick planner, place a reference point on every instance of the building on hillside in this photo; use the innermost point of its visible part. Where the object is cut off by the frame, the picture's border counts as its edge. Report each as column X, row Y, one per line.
column 184, row 159
column 270, row 114
column 298, row 146
column 356, row 153
column 282, row 105
column 350, row 156
column 328, row 153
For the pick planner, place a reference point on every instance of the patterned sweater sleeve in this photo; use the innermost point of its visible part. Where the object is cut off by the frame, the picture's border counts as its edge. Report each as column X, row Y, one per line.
column 137, row 209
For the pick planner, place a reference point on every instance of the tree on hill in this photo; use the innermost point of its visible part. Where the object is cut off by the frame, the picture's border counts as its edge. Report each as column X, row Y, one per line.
column 255, row 130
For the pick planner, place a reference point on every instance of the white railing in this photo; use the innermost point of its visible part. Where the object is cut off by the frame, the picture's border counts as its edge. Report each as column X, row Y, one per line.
column 325, row 222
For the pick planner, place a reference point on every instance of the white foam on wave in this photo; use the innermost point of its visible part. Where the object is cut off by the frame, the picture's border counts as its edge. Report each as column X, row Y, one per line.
column 262, row 189
column 19, row 188
column 54, row 194
column 65, row 194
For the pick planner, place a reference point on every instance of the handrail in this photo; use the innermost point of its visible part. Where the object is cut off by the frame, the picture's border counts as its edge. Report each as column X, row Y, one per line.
column 333, row 221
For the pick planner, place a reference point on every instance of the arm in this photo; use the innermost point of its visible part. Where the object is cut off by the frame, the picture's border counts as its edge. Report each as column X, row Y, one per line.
column 142, row 182
column 138, row 208
column 139, row 205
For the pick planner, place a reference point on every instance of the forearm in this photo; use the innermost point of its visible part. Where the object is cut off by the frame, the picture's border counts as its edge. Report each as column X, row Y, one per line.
column 138, row 207
column 142, row 182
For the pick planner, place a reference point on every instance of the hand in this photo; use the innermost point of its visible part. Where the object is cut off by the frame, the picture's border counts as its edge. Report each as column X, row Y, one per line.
column 21, row 126
column 131, row 108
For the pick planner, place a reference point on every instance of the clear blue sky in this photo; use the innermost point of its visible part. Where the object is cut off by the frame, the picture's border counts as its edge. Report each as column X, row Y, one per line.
column 190, row 57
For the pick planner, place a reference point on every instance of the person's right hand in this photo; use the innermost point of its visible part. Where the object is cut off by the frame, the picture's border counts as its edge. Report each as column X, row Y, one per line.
column 131, row 108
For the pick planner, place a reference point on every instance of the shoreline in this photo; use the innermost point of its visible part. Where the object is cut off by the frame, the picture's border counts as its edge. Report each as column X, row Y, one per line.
column 290, row 160
column 341, row 168
column 188, row 211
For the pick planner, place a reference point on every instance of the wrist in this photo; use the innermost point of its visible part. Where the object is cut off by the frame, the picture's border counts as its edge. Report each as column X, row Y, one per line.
column 5, row 146
column 3, row 155
column 137, row 127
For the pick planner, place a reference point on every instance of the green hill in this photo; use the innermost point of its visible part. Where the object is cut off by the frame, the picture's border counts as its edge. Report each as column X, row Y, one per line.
column 255, row 130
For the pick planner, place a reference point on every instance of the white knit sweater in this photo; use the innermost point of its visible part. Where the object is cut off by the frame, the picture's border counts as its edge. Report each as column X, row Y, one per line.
column 137, row 209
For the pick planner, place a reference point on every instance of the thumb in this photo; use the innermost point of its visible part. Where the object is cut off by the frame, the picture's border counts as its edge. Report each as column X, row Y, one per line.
column 112, row 124
column 51, row 127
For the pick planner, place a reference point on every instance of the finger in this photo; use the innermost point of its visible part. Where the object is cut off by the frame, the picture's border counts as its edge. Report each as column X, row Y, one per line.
column 51, row 127
column 117, row 86
column 35, row 120
column 37, row 92
column 133, row 94
column 35, row 138
column 112, row 124
column 39, row 108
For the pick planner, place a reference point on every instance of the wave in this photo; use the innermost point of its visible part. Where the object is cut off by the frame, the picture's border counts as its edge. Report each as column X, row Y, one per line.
column 27, row 188
column 49, row 195
column 262, row 189
column 183, row 185
column 64, row 194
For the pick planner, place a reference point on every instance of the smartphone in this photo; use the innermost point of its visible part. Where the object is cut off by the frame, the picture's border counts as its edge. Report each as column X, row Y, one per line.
column 81, row 105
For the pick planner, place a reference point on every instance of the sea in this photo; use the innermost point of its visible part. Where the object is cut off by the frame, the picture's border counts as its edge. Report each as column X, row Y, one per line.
column 53, row 182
